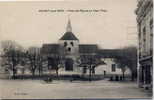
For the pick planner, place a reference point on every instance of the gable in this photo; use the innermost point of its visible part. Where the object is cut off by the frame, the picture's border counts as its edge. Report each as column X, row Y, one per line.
column 68, row 36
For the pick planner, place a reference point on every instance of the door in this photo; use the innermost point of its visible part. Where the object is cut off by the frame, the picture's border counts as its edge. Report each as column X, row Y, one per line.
column 69, row 65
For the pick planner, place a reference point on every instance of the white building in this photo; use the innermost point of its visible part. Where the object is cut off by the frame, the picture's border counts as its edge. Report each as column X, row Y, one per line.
column 110, row 69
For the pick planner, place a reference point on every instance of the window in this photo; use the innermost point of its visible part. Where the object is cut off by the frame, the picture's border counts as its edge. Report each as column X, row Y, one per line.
column 151, row 37
column 69, row 64
column 139, row 29
column 65, row 44
column 72, row 44
column 151, row 23
column 69, row 49
column 113, row 68
column 144, row 34
column 144, row 39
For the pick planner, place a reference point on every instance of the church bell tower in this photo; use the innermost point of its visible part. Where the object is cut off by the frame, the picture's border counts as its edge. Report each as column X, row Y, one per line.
column 70, row 44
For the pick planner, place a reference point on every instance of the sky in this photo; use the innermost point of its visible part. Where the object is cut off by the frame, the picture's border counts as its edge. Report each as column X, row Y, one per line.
column 28, row 25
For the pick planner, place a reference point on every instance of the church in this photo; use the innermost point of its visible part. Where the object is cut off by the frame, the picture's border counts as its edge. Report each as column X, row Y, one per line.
column 69, row 49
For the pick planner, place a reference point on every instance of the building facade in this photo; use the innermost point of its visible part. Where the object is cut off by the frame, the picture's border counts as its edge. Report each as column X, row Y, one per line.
column 69, row 50
column 79, row 58
column 111, row 68
column 144, row 14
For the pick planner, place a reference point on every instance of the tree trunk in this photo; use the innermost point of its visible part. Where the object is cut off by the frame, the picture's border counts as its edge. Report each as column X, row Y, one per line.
column 40, row 70
column 33, row 73
column 57, row 72
column 132, row 77
column 90, row 73
column 14, row 71
column 123, row 75
column 23, row 72
column 13, row 74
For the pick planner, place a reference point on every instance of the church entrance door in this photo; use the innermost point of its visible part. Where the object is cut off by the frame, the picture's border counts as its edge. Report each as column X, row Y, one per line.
column 69, row 64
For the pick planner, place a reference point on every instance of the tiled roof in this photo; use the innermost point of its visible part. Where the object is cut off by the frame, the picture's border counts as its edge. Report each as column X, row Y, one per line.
column 50, row 49
column 109, row 52
column 87, row 48
column 68, row 36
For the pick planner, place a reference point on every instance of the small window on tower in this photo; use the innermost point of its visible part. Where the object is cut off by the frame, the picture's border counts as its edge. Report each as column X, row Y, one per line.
column 69, row 49
column 72, row 44
column 65, row 44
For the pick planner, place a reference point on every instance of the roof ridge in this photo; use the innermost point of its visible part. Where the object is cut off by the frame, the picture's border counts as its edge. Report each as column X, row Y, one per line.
column 68, row 36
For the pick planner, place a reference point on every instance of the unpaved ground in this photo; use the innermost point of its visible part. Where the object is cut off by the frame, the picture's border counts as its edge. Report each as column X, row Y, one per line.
column 66, row 89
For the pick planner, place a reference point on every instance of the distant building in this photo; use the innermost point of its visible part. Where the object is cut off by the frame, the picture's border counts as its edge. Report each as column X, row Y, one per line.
column 69, row 47
column 145, row 36
column 110, row 68
column 70, row 50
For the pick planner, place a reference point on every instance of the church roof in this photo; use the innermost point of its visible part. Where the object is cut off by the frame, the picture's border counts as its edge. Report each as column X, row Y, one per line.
column 109, row 53
column 68, row 36
column 88, row 48
column 50, row 49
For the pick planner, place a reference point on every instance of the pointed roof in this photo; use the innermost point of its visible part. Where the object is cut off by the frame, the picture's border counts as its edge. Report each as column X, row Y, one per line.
column 69, row 27
column 69, row 35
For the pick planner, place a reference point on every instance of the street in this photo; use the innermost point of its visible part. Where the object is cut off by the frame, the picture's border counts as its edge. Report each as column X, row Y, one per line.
column 38, row 89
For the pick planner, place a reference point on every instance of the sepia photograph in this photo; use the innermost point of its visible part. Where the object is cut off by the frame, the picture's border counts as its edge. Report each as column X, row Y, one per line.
column 68, row 49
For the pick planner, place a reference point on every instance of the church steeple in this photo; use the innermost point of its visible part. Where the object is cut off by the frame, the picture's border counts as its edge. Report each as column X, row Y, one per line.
column 68, row 34
column 69, row 27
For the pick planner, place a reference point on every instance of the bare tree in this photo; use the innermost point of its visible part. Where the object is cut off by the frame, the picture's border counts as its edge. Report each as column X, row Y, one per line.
column 11, row 52
column 10, row 45
column 90, row 62
column 35, row 60
column 55, row 63
column 131, row 56
column 128, row 58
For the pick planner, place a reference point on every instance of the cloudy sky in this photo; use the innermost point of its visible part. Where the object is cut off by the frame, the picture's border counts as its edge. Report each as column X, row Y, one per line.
column 24, row 23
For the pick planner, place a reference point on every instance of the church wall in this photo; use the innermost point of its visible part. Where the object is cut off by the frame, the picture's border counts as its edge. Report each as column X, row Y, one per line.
column 74, row 49
column 73, row 53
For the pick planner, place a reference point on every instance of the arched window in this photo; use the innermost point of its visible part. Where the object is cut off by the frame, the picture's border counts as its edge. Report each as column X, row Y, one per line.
column 69, row 49
column 72, row 43
column 65, row 44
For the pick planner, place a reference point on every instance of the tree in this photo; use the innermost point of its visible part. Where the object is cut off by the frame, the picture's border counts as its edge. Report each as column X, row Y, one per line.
column 131, row 56
column 122, row 63
column 11, row 52
column 128, row 59
column 55, row 63
column 40, row 62
column 34, row 57
column 90, row 62
column 58, row 64
column 10, row 45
